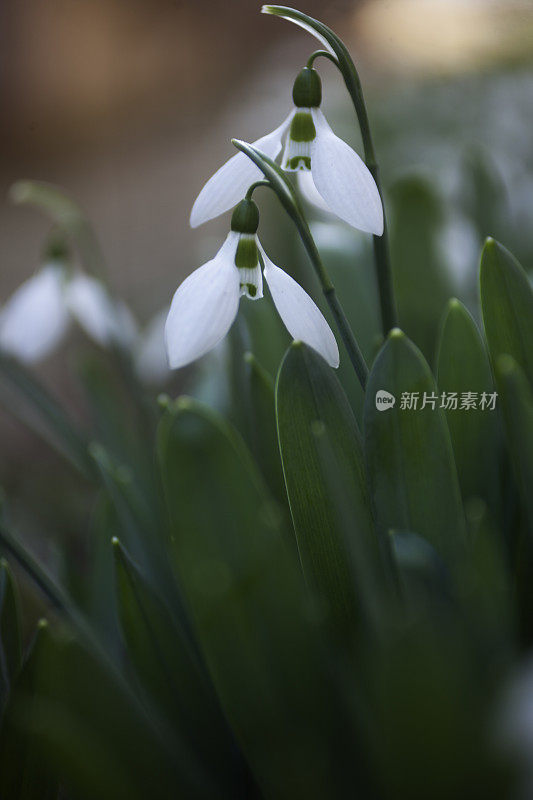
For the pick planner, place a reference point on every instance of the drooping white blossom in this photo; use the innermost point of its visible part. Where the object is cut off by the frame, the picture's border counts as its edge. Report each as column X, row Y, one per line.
column 36, row 318
column 205, row 305
column 305, row 142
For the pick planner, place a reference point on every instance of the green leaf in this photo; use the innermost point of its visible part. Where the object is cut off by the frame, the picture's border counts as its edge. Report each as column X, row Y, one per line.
column 169, row 669
column 27, row 400
column 10, row 635
column 103, row 745
column 250, row 610
column 308, row 392
column 423, row 579
column 141, row 521
column 412, row 473
column 507, row 303
column 516, row 401
column 463, row 366
column 24, row 772
column 421, row 280
column 263, row 433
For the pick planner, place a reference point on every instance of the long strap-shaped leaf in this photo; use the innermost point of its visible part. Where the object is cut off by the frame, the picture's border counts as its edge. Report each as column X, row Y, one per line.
column 463, row 367
column 168, row 668
column 507, row 302
column 30, row 402
column 409, row 455
column 308, row 392
column 250, row 612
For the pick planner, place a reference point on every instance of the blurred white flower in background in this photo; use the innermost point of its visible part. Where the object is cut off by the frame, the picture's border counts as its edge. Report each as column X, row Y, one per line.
column 36, row 318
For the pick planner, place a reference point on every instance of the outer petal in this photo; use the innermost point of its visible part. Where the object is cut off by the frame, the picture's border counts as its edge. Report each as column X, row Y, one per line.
column 203, row 307
column 343, row 180
column 101, row 317
column 34, row 319
column 300, row 315
column 309, row 192
column 229, row 184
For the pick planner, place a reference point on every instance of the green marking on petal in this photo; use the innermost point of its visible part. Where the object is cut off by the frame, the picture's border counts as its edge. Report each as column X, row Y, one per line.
column 299, row 162
column 302, row 127
column 246, row 256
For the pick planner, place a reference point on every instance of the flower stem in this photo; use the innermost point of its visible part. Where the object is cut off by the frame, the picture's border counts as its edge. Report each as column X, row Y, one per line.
column 350, row 342
column 389, row 314
column 275, row 179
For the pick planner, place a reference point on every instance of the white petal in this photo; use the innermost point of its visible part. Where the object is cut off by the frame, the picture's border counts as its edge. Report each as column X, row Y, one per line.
column 102, row 318
column 34, row 319
column 203, row 307
column 344, row 180
column 299, row 313
column 151, row 360
column 309, row 192
column 229, row 184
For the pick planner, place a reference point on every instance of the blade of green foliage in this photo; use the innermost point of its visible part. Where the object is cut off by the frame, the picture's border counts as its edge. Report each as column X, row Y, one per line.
column 249, row 608
column 24, row 773
column 10, row 635
column 308, row 392
column 412, row 473
column 423, row 579
column 367, row 566
column 25, row 398
column 507, row 303
column 169, row 669
column 263, row 433
column 420, row 279
column 487, row 589
column 83, row 703
column 516, row 401
column 139, row 518
column 463, row 366
column 88, row 729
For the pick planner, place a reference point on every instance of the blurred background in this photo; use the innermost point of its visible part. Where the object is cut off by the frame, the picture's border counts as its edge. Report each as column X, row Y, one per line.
column 129, row 105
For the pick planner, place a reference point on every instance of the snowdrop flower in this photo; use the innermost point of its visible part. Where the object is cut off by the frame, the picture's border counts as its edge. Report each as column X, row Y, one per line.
column 206, row 304
column 36, row 317
column 307, row 144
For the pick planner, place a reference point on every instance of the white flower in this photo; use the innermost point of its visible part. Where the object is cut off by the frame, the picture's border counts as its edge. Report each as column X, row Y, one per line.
column 206, row 304
column 307, row 143
column 36, row 317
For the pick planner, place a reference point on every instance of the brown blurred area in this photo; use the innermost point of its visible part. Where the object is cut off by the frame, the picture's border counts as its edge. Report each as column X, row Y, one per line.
column 125, row 104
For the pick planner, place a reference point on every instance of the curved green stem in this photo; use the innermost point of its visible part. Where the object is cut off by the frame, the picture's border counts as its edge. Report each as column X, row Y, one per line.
column 338, row 53
column 350, row 342
column 389, row 314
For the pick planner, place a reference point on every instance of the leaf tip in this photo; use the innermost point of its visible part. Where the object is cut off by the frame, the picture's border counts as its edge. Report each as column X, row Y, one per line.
column 396, row 333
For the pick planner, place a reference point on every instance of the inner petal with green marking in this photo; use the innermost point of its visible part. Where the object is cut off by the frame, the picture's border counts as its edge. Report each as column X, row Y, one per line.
column 297, row 153
column 247, row 262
